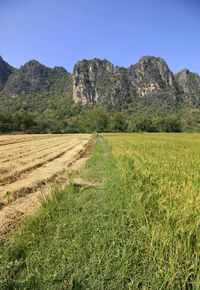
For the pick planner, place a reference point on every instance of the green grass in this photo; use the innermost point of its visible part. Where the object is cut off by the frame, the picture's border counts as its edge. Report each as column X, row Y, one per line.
column 161, row 173
column 138, row 230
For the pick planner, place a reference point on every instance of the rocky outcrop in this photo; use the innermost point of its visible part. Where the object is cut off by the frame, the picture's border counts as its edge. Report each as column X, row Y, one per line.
column 5, row 71
column 34, row 77
column 189, row 83
column 148, row 82
column 96, row 81
column 150, row 75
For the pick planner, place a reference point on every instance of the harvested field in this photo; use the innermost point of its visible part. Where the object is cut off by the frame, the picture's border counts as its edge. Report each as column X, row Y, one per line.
column 30, row 164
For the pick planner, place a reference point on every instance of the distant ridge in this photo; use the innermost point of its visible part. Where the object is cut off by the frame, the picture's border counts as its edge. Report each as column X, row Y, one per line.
column 54, row 96
column 97, row 81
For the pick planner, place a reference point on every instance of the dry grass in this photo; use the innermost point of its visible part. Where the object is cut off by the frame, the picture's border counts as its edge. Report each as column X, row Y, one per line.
column 30, row 166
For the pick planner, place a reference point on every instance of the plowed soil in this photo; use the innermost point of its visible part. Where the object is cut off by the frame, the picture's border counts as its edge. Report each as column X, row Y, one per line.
column 29, row 166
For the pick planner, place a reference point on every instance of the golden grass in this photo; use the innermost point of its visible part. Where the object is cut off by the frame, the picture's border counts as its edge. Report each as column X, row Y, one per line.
column 162, row 171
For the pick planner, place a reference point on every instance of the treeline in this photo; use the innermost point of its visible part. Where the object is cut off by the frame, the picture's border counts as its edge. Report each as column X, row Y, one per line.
column 98, row 119
column 27, row 122
column 86, row 120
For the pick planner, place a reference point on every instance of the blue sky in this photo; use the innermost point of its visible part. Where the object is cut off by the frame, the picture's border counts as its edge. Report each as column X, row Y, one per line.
column 61, row 32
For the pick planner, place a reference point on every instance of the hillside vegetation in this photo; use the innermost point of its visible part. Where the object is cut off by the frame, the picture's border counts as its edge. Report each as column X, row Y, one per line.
column 144, row 97
column 137, row 228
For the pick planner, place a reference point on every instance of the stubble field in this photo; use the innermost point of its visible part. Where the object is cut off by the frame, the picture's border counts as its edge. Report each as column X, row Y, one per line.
column 29, row 161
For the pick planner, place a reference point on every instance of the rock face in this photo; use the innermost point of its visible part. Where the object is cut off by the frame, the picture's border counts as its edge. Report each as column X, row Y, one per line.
column 189, row 83
column 147, row 83
column 5, row 71
column 150, row 75
column 98, row 80
column 95, row 81
column 34, row 77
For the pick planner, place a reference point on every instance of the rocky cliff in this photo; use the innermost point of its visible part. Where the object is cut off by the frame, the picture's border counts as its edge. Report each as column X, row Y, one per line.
column 150, row 75
column 149, row 82
column 34, row 77
column 95, row 81
column 5, row 71
column 189, row 84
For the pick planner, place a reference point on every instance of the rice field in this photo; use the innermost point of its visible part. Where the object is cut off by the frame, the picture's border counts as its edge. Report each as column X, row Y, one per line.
column 136, row 227
column 29, row 162
column 162, row 174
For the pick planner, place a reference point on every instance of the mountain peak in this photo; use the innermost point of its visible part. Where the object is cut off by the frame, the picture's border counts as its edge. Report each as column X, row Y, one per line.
column 184, row 71
column 34, row 77
column 32, row 63
column 99, row 81
column 151, row 58
column 5, row 71
column 189, row 83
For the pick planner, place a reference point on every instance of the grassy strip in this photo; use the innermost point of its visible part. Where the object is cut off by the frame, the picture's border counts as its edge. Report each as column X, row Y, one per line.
column 96, row 237
column 72, row 243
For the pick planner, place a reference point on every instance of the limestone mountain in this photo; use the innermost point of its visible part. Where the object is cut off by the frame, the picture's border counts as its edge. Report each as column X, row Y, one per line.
column 147, row 87
column 96, row 81
column 151, row 75
column 99, row 81
column 38, row 93
column 33, row 78
column 149, row 82
column 189, row 83
column 5, row 71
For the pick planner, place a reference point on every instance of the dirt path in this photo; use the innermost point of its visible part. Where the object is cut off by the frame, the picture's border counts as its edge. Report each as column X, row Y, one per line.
column 29, row 171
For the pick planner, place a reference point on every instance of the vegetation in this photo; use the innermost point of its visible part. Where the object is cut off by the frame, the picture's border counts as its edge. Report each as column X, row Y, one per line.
column 155, row 124
column 144, row 97
column 66, row 117
column 159, row 177
column 139, row 229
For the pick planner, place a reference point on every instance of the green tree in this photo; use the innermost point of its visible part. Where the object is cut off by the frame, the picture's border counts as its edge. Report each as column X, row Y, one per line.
column 170, row 124
column 118, row 122
column 22, row 120
column 94, row 119
column 142, row 124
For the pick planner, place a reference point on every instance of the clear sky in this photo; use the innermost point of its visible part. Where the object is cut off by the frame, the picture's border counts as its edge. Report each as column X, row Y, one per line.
column 61, row 32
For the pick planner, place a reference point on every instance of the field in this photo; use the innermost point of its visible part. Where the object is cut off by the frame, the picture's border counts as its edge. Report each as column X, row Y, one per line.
column 161, row 172
column 137, row 228
column 29, row 161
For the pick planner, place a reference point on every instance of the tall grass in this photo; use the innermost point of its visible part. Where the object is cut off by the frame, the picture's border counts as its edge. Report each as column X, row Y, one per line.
column 161, row 173
column 138, row 230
